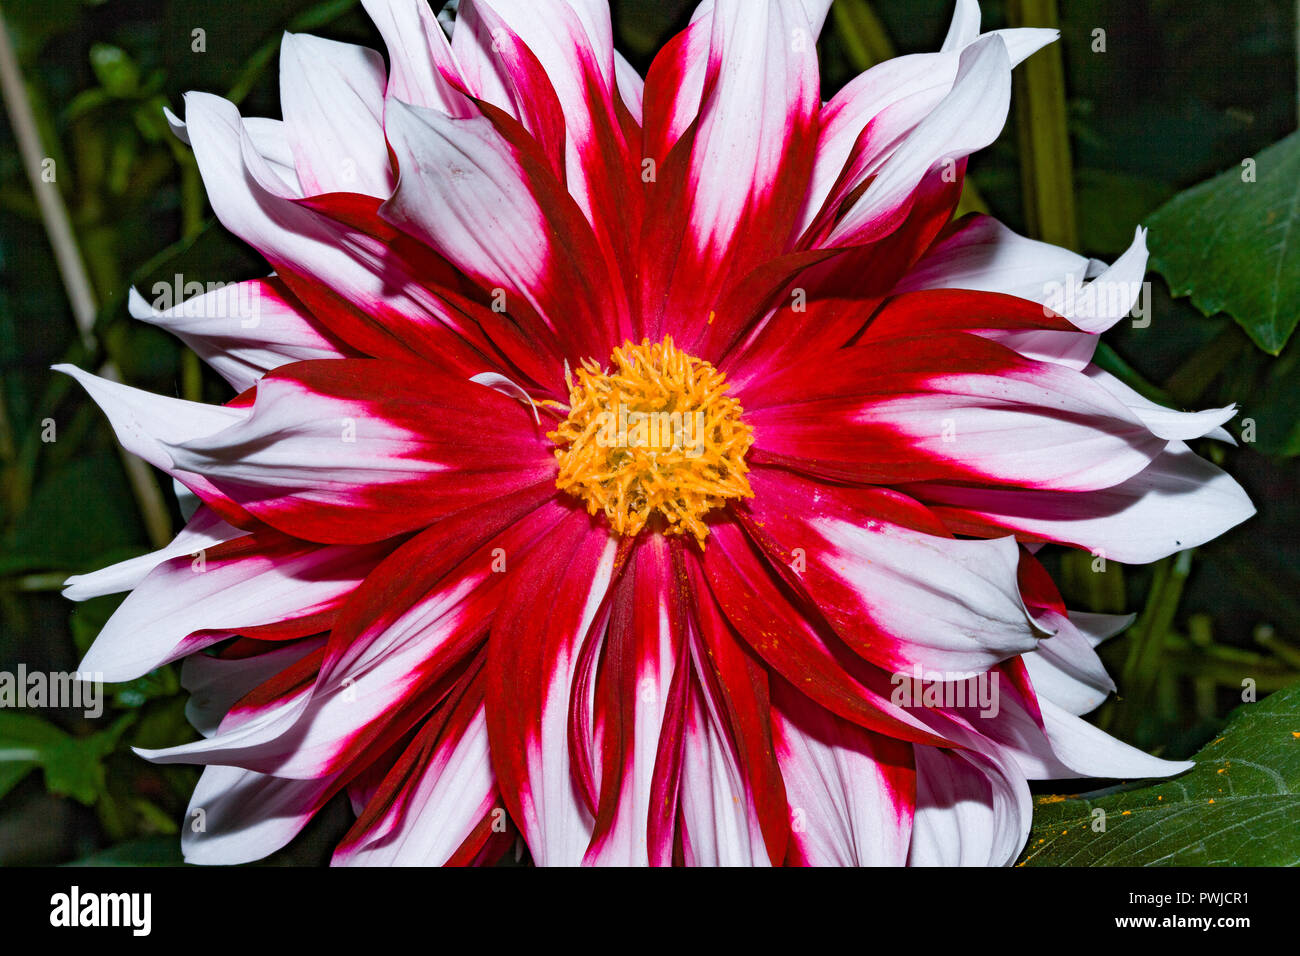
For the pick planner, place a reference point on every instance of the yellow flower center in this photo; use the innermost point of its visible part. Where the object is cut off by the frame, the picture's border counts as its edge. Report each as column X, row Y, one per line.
column 658, row 433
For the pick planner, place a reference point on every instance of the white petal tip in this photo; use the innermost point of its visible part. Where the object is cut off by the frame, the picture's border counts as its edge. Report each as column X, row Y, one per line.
column 66, row 368
column 74, row 590
column 1159, row 767
column 177, row 126
column 138, row 306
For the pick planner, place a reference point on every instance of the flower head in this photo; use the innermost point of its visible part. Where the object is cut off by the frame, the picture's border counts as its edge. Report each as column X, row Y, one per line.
column 651, row 470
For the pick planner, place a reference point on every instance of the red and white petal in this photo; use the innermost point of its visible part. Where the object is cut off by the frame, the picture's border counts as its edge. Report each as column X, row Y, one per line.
column 383, row 296
column 898, row 596
column 851, row 792
column 147, row 425
column 573, row 43
column 1179, row 501
column 731, row 798
column 546, row 615
column 302, row 727
column 237, row 816
column 498, row 68
column 1047, row 743
column 972, row 809
column 434, row 586
column 1023, row 325
column 423, row 71
column 357, row 450
column 204, row 530
column 216, row 684
column 1044, row 740
column 488, row 206
column 825, row 298
column 434, row 799
column 1063, row 668
column 717, row 829
column 729, row 204
column 642, row 646
column 510, row 83
column 631, row 86
column 686, row 56
column 866, row 120
column 396, row 649
column 674, row 85
column 939, row 311
column 981, row 254
column 762, row 91
column 188, row 603
column 967, row 119
column 243, row 329
column 954, row 405
column 332, row 95
column 791, row 637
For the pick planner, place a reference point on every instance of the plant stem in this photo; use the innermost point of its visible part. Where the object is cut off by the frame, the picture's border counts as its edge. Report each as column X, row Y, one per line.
column 1046, row 170
column 72, row 268
column 48, row 198
column 1147, row 643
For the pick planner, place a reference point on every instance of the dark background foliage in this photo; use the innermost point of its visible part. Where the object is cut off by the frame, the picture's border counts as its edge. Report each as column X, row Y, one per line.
column 1182, row 91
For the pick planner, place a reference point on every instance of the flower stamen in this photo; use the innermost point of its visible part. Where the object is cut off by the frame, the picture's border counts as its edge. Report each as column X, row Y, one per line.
column 657, row 434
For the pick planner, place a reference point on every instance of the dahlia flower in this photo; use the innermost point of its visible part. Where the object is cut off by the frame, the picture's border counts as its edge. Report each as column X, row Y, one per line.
column 647, row 470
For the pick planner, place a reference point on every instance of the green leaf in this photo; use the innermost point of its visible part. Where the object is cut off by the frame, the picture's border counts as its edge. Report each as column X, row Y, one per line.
column 23, row 737
column 73, row 769
column 26, row 731
column 1238, row 806
column 1233, row 244
column 73, row 765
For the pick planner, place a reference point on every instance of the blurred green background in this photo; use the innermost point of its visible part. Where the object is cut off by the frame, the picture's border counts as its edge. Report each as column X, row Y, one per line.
column 1182, row 91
